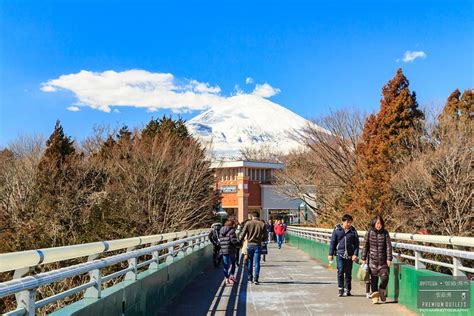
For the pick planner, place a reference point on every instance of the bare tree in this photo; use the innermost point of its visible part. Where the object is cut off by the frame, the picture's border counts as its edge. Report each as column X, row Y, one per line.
column 436, row 190
column 328, row 161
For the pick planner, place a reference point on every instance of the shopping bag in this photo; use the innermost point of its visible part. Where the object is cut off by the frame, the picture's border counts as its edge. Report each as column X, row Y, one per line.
column 362, row 272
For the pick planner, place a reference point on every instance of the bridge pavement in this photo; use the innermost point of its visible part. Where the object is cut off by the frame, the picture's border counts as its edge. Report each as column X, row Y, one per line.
column 292, row 283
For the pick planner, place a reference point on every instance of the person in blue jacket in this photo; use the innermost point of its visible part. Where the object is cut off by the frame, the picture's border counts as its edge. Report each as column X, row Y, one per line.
column 345, row 246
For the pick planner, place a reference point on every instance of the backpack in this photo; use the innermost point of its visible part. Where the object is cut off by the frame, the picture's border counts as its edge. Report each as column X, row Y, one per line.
column 214, row 237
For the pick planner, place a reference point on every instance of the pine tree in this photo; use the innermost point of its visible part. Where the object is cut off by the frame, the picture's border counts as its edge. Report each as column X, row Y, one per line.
column 165, row 125
column 387, row 139
column 59, row 151
column 459, row 107
column 56, row 182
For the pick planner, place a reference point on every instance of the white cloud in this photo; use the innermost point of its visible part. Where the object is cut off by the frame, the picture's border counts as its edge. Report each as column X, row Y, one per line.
column 48, row 88
column 137, row 88
column 249, row 80
column 73, row 109
column 410, row 56
column 237, row 90
column 265, row 90
column 142, row 89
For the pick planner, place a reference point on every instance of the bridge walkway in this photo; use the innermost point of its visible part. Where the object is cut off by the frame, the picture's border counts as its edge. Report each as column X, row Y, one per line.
column 292, row 283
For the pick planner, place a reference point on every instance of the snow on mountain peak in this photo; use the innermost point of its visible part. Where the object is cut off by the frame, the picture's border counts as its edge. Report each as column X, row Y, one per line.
column 247, row 121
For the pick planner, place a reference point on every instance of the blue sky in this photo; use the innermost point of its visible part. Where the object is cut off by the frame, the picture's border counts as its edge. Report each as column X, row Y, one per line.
column 313, row 56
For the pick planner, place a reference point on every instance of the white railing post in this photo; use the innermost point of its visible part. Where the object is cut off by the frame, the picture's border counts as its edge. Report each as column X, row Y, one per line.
column 156, row 259
column 95, row 291
column 26, row 299
column 418, row 264
column 170, row 257
column 132, row 263
column 457, row 263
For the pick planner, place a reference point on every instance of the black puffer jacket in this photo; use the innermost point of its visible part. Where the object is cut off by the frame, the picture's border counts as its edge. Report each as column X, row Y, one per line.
column 228, row 240
column 377, row 250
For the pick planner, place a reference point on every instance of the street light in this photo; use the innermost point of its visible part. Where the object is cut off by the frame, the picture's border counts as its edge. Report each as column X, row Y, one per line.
column 222, row 215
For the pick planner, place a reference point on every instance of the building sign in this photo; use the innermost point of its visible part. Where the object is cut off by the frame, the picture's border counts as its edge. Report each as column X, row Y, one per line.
column 229, row 189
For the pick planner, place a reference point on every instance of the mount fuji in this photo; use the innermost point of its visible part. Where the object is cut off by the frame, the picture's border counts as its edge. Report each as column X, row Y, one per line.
column 247, row 121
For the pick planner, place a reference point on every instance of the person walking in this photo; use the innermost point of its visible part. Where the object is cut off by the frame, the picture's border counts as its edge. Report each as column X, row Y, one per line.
column 228, row 242
column 244, row 249
column 271, row 230
column 238, row 231
column 345, row 246
column 255, row 233
column 280, row 232
column 214, row 239
column 378, row 253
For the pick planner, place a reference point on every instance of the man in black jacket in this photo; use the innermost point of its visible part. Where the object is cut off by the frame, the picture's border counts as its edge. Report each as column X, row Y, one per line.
column 345, row 246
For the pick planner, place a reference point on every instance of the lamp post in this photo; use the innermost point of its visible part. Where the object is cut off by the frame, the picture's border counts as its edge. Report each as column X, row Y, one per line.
column 222, row 215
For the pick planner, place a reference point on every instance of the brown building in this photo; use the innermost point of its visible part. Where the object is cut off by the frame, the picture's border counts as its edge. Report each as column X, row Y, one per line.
column 248, row 186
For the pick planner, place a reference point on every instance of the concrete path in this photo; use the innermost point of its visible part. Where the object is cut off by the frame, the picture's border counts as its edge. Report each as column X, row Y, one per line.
column 292, row 283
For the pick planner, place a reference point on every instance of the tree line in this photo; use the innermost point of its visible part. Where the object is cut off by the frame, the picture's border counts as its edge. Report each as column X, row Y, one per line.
column 408, row 165
column 113, row 185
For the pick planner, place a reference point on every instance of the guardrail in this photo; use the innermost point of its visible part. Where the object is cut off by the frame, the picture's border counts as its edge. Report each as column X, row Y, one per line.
column 457, row 255
column 161, row 248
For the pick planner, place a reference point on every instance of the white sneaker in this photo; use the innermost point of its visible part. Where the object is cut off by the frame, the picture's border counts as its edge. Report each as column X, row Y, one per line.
column 367, row 295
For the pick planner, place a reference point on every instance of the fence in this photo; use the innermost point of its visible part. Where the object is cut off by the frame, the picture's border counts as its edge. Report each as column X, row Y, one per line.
column 415, row 247
column 152, row 250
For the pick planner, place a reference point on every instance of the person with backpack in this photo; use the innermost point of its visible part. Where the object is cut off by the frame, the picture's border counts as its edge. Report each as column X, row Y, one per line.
column 279, row 232
column 378, row 253
column 345, row 246
column 255, row 233
column 214, row 239
column 228, row 242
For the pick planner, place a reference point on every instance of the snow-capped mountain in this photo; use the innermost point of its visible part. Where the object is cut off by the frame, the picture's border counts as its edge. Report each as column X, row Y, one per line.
column 247, row 121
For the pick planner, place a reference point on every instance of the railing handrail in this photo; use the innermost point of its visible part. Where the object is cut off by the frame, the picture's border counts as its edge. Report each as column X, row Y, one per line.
column 30, row 258
column 31, row 282
column 324, row 235
column 435, row 239
column 25, row 287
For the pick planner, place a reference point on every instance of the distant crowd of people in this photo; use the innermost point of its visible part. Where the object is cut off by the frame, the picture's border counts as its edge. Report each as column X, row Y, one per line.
column 247, row 242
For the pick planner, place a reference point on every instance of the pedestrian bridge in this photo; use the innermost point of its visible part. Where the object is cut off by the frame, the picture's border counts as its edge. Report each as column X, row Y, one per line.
column 172, row 274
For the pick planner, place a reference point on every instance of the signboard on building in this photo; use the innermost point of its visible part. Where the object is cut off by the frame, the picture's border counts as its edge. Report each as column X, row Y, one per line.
column 229, row 189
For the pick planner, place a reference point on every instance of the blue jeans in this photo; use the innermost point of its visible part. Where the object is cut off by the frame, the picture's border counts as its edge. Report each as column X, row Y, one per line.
column 253, row 261
column 229, row 260
column 279, row 240
column 344, row 273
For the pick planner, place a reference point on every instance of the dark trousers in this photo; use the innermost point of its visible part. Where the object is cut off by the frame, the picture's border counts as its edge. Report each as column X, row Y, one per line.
column 253, row 262
column 375, row 282
column 344, row 273
column 229, row 264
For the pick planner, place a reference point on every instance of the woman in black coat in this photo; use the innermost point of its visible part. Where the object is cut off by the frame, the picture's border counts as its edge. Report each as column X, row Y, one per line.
column 228, row 242
column 378, row 253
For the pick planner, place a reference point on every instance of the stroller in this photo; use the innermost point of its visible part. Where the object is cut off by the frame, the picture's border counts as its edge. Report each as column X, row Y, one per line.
column 214, row 238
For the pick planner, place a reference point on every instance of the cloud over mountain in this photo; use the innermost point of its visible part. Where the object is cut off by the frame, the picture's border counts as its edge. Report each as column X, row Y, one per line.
column 142, row 89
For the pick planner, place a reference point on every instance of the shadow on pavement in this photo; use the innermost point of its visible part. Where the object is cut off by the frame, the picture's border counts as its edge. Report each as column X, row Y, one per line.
column 208, row 295
column 298, row 282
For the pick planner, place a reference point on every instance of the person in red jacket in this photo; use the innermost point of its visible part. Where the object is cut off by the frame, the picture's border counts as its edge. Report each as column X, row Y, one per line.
column 279, row 232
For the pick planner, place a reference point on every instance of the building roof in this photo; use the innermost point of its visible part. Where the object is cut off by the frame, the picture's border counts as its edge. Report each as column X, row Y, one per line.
column 248, row 164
